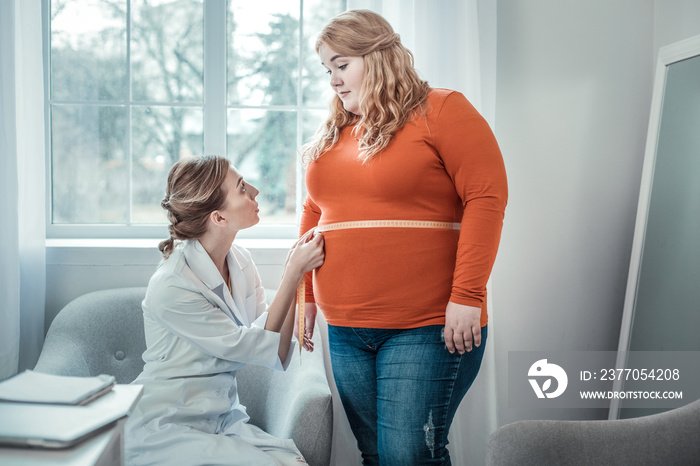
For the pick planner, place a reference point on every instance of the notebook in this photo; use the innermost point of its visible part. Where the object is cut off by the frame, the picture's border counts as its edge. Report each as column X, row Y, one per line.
column 37, row 387
column 62, row 426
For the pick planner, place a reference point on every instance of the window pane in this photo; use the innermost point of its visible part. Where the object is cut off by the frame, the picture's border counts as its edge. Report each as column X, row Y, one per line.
column 312, row 120
column 122, row 112
column 90, row 176
column 316, row 88
column 262, row 146
column 161, row 136
column 167, row 50
column 262, row 52
column 88, row 50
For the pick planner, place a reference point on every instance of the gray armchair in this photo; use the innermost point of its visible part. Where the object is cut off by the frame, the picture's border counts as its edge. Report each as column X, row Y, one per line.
column 102, row 333
column 669, row 438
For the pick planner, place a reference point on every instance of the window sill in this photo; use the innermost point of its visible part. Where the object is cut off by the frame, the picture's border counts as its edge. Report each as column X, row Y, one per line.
column 144, row 251
column 135, row 243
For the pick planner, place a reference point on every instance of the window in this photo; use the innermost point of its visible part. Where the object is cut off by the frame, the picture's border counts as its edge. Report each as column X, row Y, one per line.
column 134, row 85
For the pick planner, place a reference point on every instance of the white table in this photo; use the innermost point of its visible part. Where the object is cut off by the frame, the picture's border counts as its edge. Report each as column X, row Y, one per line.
column 104, row 449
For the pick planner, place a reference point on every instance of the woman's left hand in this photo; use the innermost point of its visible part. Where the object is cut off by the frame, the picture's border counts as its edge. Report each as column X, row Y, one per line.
column 462, row 327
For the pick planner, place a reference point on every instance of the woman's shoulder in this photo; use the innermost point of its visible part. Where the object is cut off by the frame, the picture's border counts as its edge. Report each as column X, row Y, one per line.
column 169, row 274
column 169, row 289
column 447, row 102
column 437, row 97
column 438, row 93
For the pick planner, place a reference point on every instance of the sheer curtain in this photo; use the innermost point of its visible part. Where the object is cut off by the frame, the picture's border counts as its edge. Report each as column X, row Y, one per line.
column 22, row 186
column 454, row 46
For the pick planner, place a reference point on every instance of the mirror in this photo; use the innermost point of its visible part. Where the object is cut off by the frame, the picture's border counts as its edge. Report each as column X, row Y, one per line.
column 662, row 301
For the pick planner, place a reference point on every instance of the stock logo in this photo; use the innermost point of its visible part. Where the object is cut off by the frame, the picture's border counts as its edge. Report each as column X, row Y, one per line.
column 542, row 370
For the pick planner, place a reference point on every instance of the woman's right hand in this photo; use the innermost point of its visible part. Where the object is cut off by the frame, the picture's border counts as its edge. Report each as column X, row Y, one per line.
column 309, row 324
column 307, row 253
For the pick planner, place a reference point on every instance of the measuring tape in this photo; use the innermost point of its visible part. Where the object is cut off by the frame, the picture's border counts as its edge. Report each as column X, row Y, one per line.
column 301, row 290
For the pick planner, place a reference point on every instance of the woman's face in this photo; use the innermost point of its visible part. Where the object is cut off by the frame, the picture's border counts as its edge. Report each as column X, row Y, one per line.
column 241, row 209
column 347, row 74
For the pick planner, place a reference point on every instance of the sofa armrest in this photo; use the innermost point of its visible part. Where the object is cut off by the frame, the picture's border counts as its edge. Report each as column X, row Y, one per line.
column 669, row 438
column 62, row 356
column 292, row 404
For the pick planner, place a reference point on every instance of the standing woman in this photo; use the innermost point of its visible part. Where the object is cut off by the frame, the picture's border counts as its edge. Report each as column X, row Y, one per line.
column 205, row 317
column 392, row 174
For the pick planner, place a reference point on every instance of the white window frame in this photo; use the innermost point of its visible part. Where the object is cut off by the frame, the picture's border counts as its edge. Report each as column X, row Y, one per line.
column 215, row 113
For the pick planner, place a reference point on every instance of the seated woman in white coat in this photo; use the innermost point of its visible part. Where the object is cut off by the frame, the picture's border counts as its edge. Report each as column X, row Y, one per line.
column 205, row 317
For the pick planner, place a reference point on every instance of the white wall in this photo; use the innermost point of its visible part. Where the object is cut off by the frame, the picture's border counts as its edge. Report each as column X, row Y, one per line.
column 76, row 267
column 574, row 84
column 675, row 20
column 572, row 106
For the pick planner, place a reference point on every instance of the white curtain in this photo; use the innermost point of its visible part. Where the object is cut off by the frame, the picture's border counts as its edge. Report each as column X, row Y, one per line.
column 22, row 186
column 454, row 46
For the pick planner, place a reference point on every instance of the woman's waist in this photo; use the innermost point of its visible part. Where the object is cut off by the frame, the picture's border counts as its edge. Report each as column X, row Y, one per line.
column 435, row 245
column 390, row 213
column 372, row 264
column 393, row 224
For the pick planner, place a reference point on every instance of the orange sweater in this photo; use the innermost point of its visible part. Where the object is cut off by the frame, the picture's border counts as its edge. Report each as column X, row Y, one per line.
column 443, row 167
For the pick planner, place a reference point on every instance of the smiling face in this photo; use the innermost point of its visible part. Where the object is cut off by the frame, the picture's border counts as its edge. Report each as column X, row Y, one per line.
column 347, row 74
column 241, row 208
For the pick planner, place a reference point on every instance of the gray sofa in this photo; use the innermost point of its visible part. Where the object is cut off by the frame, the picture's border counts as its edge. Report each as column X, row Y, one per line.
column 102, row 333
column 669, row 438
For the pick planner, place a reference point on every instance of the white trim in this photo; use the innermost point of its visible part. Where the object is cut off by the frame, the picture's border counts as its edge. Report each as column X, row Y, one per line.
column 129, row 126
column 122, row 231
column 215, row 77
column 668, row 55
column 46, row 57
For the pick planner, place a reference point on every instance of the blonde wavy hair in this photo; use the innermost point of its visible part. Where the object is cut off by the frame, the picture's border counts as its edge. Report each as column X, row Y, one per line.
column 391, row 89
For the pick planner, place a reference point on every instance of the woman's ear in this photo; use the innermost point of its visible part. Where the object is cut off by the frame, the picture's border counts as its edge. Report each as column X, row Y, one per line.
column 216, row 218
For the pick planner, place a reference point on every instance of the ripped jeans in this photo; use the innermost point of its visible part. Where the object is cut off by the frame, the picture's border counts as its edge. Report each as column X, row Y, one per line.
column 400, row 390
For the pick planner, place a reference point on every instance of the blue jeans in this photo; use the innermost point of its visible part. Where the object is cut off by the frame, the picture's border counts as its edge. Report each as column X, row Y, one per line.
column 400, row 390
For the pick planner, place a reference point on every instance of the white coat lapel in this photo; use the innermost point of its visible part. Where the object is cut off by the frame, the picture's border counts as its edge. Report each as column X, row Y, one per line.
column 210, row 282
column 238, row 284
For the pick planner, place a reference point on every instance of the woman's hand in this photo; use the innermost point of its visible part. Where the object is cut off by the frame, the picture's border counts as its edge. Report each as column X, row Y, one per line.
column 309, row 324
column 306, row 254
column 462, row 327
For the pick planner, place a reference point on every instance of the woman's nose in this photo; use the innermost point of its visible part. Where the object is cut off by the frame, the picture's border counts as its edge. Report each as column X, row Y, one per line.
column 253, row 191
column 335, row 80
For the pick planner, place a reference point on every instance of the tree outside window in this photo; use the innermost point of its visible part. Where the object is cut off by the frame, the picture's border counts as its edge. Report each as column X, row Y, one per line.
column 127, row 99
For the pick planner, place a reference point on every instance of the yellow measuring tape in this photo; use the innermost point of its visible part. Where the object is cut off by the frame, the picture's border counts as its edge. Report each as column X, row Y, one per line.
column 301, row 290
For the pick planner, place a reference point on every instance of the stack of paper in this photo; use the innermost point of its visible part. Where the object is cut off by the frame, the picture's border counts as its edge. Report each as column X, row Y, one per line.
column 37, row 387
column 52, row 426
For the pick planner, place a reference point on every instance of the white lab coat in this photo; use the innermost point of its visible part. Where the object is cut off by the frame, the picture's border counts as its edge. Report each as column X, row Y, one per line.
column 197, row 337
